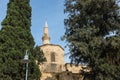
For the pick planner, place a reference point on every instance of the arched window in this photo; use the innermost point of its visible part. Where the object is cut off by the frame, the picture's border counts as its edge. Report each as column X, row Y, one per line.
column 52, row 57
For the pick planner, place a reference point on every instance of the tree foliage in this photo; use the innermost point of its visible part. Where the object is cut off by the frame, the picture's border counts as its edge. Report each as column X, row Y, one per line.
column 93, row 36
column 15, row 39
column 39, row 55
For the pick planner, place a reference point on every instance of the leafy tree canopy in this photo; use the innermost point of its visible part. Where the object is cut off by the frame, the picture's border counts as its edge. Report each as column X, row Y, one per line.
column 15, row 39
column 89, row 28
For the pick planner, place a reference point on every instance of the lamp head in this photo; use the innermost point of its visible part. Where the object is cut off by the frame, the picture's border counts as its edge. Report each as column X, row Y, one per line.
column 26, row 58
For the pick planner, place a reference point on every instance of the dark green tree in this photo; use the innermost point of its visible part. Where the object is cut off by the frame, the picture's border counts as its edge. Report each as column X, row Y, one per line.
column 15, row 39
column 93, row 36
column 38, row 54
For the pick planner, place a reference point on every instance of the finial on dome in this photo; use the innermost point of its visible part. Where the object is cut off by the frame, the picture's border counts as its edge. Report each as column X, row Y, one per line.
column 46, row 25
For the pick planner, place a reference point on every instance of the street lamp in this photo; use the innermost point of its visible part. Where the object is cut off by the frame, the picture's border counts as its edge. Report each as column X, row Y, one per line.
column 25, row 60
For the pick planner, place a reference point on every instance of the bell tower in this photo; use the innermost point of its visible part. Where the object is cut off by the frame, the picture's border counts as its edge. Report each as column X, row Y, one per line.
column 46, row 37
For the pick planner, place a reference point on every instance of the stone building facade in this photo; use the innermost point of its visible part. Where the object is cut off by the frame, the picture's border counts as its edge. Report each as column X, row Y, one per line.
column 55, row 68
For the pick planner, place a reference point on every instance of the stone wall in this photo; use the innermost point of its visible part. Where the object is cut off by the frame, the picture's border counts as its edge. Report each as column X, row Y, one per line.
column 58, row 51
column 47, row 76
column 65, row 75
column 73, row 68
column 55, row 68
column 52, row 67
column 66, row 72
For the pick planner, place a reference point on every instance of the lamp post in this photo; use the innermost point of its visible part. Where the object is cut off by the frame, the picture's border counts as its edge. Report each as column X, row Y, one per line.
column 25, row 60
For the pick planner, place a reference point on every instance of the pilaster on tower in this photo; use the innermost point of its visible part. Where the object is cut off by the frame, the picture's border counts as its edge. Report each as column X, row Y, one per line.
column 46, row 37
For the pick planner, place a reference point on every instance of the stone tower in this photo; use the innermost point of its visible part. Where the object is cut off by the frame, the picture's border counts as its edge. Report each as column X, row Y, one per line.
column 54, row 55
column 46, row 37
column 55, row 68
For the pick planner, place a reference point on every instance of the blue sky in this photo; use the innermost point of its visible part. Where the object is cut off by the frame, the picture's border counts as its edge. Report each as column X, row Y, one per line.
column 51, row 11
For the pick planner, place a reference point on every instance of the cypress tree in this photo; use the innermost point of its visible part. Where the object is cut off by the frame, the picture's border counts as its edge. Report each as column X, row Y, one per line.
column 15, row 39
column 89, row 28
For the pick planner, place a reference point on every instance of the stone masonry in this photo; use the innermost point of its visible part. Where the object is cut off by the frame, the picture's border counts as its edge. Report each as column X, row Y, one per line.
column 55, row 68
